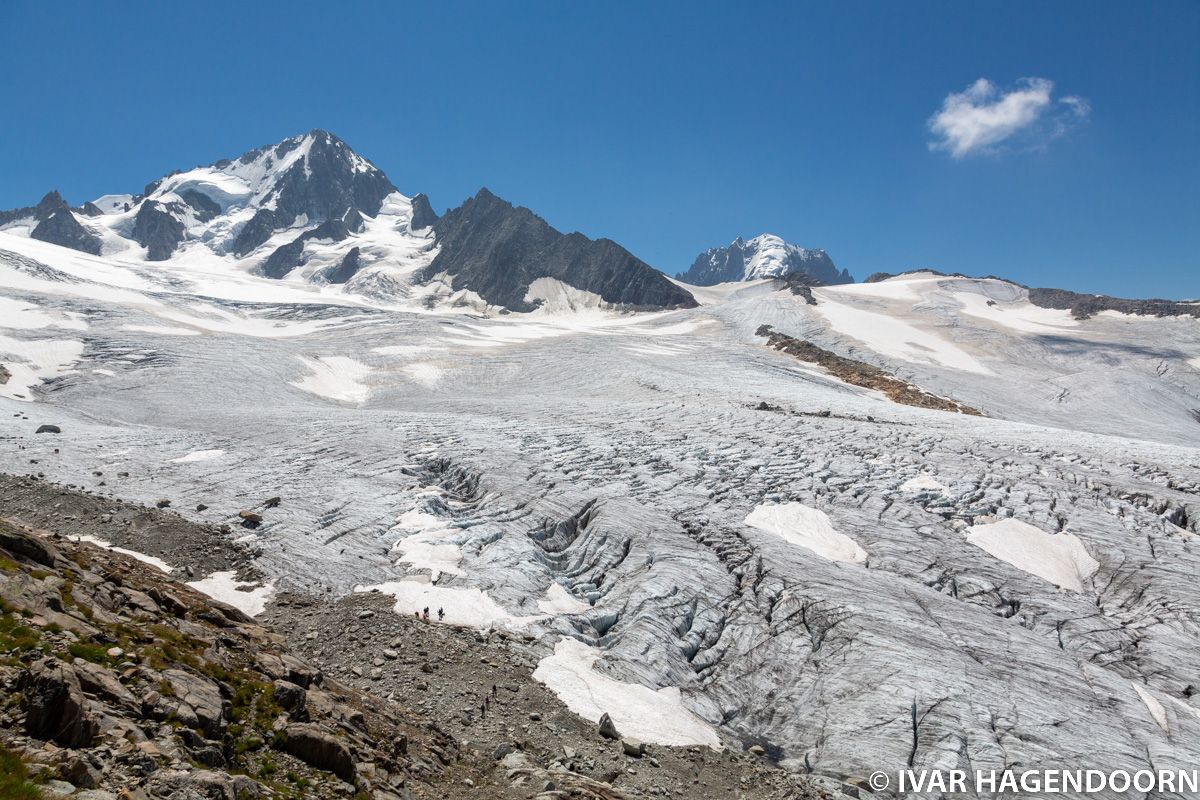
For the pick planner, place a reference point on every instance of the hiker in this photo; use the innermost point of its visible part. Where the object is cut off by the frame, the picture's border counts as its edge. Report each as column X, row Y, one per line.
column 441, row 614
column 493, row 690
column 417, row 614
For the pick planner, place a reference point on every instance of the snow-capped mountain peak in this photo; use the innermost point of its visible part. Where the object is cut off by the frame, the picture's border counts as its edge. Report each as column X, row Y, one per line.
column 764, row 256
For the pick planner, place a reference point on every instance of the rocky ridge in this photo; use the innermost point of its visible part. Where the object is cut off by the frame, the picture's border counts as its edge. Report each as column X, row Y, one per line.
column 860, row 373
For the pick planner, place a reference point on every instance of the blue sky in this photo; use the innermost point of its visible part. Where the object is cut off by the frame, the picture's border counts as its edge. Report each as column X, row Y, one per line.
column 669, row 127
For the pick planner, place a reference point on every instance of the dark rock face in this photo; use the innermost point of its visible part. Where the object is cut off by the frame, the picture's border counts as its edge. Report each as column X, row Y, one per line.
column 801, row 283
column 285, row 259
column 1083, row 306
column 55, row 707
column 319, row 749
column 288, row 256
column 158, row 230
column 496, row 250
column 346, row 270
column 90, row 209
column 61, row 228
column 722, row 264
column 203, row 205
column 323, row 186
column 423, row 214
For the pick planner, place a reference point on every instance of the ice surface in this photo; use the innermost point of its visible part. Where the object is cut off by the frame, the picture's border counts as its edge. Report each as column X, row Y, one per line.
column 807, row 527
column 1059, row 558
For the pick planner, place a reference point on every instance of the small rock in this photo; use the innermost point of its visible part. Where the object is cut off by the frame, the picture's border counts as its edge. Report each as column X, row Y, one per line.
column 608, row 728
column 163, row 503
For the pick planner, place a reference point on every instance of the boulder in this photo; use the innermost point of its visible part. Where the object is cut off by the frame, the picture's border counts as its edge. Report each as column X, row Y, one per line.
column 319, row 749
column 290, row 697
column 608, row 728
column 54, row 704
column 48, row 429
column 199, row 700
column 27, row 546
column 100, row 682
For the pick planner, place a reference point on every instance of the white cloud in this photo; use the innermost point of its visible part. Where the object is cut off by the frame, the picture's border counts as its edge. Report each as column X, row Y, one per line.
column 981, row 118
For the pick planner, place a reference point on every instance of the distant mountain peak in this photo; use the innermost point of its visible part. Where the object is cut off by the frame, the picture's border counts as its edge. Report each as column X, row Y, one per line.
column 765, row 256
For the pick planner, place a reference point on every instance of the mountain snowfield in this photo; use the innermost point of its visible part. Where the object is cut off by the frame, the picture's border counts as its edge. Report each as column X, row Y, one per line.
column 714, row 542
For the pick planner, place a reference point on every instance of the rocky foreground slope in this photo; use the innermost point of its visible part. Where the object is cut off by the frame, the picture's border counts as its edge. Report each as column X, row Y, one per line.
column 120, row 681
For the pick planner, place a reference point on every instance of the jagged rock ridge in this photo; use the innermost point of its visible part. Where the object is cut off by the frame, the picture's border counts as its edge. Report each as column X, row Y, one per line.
column 497, row 250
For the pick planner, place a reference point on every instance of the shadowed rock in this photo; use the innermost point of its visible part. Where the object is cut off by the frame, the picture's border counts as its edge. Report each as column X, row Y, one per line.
column 496, row 250
column 423, row 214
column 158, row 230
column 54, row 705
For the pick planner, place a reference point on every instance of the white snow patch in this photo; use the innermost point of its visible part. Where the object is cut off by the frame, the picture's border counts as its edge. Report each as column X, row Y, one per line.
column 807, row 527
column 1020, row 316
column 922, row 482
column 428, row 548
column 32, row 361
column 161, row 330
column 157, row 563
column 556, row 296
column 249, row 598
column 428, row 375
column 26, row 316
column 469, row 607
column 1059, row 557
column 559, row 601
column 891, row 336
column 198, row 455
column 655, row 716
column 1154, row 707
column 335, row 377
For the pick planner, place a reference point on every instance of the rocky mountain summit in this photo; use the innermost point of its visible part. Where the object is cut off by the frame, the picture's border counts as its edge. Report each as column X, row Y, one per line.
column 765, row 256
column 499, row 250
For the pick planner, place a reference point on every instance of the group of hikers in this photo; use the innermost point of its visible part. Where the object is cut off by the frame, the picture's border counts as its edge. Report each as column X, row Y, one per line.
column 424, row 615
column 488, row 698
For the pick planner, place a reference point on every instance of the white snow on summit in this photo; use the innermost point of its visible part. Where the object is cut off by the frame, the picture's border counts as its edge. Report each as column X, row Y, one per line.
column 769, row 257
